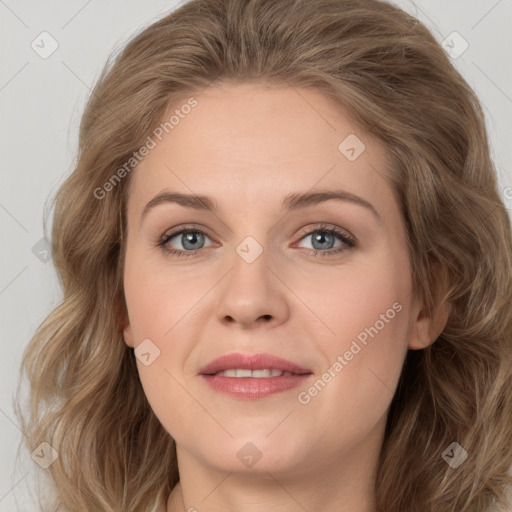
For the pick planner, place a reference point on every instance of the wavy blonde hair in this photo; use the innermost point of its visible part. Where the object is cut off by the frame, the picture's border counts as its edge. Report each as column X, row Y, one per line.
column 386, row 70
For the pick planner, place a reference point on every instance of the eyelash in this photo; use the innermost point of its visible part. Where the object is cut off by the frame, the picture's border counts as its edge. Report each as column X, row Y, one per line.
column 322, row 228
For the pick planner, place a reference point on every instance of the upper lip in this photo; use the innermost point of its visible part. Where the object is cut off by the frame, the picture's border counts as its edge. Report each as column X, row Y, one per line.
column 251, row 362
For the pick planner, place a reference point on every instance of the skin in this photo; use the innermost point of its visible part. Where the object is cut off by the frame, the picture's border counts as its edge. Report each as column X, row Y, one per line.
column 248, row 146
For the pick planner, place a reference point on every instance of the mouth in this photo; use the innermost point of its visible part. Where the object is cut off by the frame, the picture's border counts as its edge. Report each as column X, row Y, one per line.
column 239, row 365
column 253, row 376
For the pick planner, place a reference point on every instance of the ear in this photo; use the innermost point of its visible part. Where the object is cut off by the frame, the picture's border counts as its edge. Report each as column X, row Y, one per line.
column 428, row 328
column 127, row 330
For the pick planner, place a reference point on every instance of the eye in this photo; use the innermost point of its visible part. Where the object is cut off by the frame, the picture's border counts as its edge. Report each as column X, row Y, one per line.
column 323, row 238
column 191, row 240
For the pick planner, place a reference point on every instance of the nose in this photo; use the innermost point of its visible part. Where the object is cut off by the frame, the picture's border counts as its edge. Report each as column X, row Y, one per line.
column 253, row 294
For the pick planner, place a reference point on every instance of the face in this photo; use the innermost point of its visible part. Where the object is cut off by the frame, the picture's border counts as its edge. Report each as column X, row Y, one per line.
column 323, row 284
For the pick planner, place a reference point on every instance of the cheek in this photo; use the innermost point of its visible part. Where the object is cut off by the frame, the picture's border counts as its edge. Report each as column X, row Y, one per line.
column 367, row 311
column 157, row 298
column 161, row 309
column 365, row 300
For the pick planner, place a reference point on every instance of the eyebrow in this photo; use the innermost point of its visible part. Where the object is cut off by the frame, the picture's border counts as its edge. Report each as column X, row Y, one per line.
column 291, row 202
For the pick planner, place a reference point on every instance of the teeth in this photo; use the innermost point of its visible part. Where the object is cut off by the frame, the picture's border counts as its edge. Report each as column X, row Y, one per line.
column 261, row 373
column 258, row 374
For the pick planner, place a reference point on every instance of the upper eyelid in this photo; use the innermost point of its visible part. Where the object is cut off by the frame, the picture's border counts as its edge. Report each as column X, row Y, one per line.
column 179, row 230
column 324, row 226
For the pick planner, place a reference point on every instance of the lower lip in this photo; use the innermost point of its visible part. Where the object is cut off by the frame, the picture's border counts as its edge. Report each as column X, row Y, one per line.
column 253, row 388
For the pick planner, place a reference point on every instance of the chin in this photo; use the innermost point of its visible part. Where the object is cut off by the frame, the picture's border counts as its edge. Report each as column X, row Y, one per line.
column 256, row 453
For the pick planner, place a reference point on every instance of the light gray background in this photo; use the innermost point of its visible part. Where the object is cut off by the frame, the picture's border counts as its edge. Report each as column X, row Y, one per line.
column 41, row 103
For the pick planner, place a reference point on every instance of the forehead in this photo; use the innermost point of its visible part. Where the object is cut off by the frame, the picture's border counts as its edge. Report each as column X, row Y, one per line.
column 255, row 143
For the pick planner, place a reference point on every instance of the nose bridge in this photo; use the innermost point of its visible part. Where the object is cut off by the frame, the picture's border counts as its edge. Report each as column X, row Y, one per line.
column 251, row 290
column 250, row 274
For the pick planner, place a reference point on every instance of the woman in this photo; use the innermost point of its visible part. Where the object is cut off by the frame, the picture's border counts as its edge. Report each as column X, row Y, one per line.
column 203, row 357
